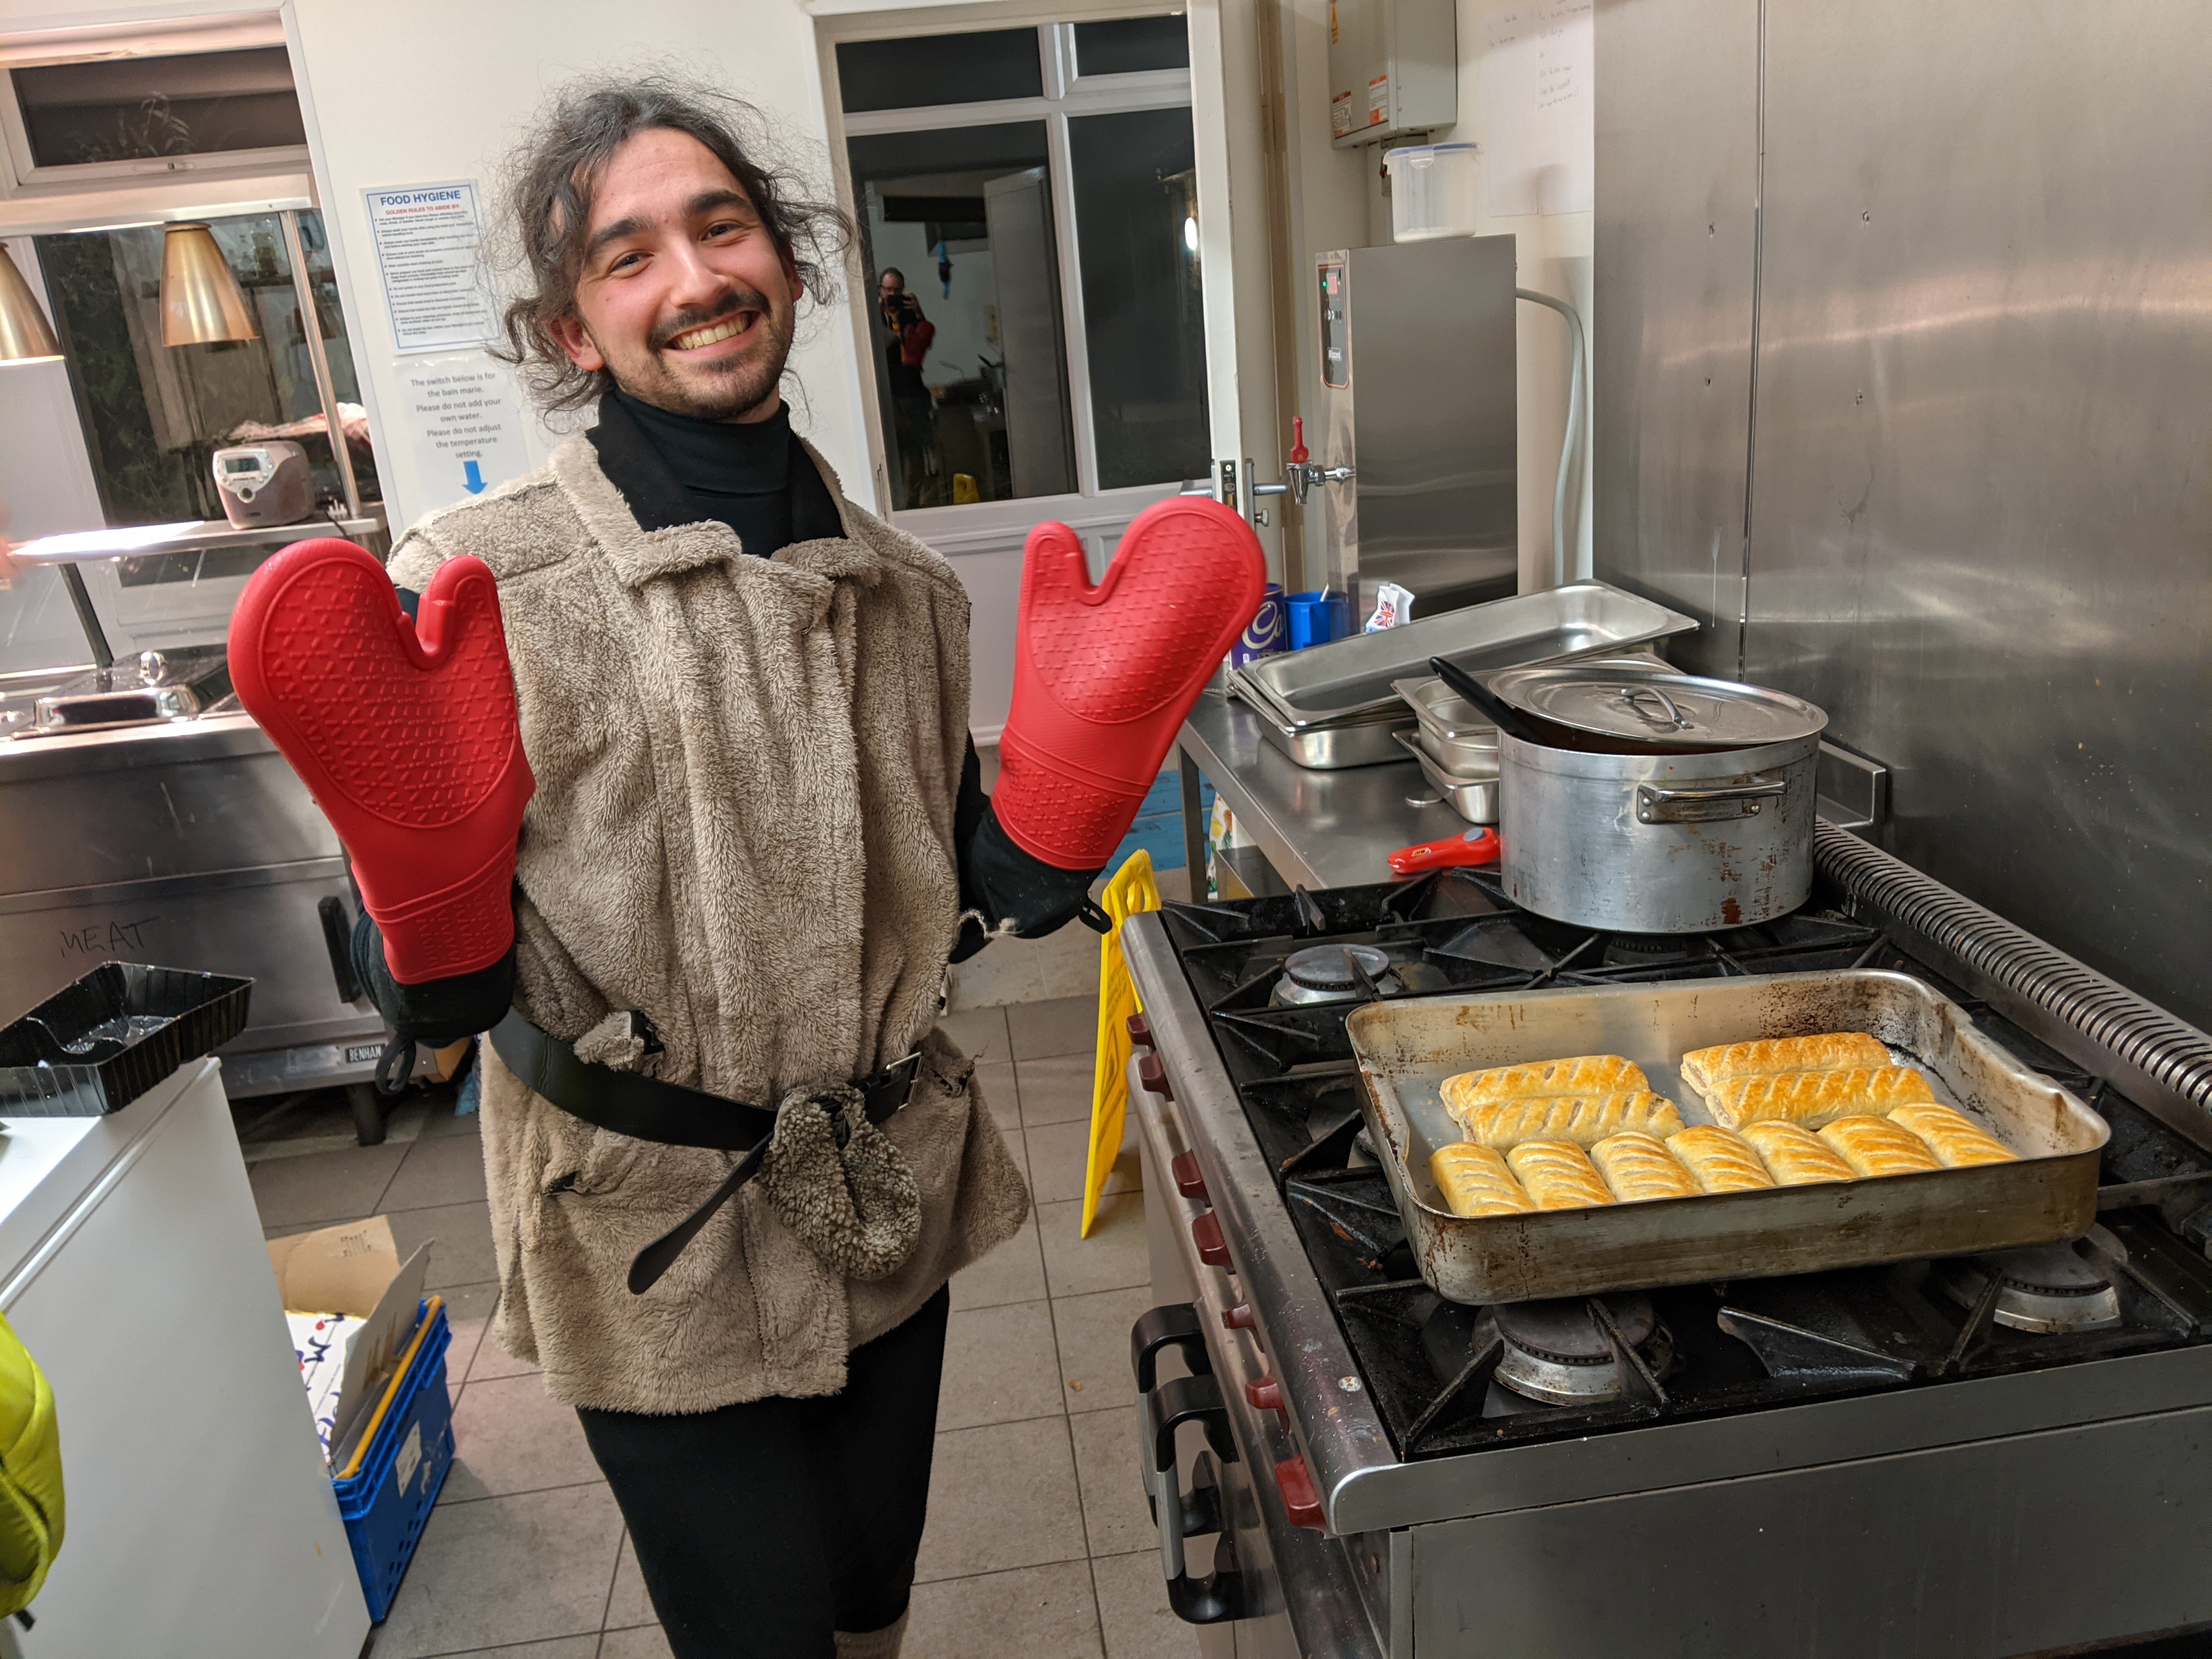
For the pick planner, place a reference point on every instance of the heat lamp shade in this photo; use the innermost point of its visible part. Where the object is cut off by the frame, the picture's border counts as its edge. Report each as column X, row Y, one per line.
column 201, row 301
column 25, row 335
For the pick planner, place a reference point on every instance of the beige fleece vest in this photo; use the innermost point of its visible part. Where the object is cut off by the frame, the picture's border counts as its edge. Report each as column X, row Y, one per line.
column 746, row 771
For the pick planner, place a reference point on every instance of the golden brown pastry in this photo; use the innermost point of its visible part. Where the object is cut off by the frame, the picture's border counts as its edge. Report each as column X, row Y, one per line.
column 1475, row 1182
column 1558, row 1175
column 1813, row 1098
column 1876, row 1146
column 1719, row 1160
column 1793, row 1154
column 1584, row 1075
column 1956, row 1139
column 1585, row 1120
column 1706, row 1069
column 1638, row 1168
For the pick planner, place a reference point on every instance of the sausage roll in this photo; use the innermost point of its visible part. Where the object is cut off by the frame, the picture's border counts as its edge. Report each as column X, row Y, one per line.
column 1585, row 1120
column 1793, row 1154
column 1876, row 1146
column 1957, row 1140
column 1706, row 1069
column 1719, row 1160
column 1813, row 1098
column 1558, row 1175
column 1585, row 1075
column 1475, row 1182
column 1638, row 1167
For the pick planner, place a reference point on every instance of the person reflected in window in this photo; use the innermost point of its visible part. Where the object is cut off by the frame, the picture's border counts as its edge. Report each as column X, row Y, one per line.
column 911, row 333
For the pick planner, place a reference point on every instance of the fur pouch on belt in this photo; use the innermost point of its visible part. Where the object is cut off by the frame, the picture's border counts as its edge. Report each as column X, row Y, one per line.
column 856, row 1207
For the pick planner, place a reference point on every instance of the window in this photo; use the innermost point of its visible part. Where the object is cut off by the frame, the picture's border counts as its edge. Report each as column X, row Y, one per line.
column 1128, row 45
column 1032, row 277
column 154, row 414
column 137, row 109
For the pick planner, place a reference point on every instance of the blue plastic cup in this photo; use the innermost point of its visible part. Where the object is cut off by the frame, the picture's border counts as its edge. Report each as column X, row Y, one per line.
column 1317, row 617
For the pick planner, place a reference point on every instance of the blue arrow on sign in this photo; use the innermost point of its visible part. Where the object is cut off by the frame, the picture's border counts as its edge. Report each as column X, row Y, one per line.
column 474, row 476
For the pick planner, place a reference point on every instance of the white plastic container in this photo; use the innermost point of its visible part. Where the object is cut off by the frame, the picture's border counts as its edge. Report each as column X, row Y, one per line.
column 1431, row 191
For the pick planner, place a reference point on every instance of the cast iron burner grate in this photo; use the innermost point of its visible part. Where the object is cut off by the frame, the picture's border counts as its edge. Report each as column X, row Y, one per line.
column 1432, row 1367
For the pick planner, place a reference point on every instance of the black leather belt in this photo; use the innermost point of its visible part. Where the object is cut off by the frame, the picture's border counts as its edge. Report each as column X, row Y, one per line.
column 646, row 1109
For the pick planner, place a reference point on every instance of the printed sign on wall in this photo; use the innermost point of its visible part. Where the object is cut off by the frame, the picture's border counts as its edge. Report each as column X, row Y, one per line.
column 429, row 238
column 467, row 424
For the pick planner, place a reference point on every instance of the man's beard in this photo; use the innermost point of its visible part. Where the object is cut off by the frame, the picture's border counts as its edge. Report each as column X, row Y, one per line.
column 727, row 390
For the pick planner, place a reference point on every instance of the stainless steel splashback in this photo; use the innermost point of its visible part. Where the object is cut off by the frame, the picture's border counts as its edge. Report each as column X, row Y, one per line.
column 1901, row 375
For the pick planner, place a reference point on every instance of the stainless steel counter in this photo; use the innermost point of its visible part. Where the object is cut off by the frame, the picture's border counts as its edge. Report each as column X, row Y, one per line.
column 1316, row 829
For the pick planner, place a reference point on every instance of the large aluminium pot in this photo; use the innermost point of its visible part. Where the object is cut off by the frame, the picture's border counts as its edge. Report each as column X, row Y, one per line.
column 1663, row 840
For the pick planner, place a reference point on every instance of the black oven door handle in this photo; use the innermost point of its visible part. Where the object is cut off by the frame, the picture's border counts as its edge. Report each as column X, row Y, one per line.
column 1165, row 1407
column 1176, row 1325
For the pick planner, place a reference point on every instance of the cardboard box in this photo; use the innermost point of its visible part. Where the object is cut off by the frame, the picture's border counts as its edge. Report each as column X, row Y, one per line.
column 355, row 1269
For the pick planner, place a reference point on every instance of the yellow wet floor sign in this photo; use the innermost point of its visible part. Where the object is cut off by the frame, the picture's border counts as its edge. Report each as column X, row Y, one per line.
column 1131, row 891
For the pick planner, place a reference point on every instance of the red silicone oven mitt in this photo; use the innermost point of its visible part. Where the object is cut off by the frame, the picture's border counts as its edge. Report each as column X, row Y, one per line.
column 405, row 733
column 1103, row 675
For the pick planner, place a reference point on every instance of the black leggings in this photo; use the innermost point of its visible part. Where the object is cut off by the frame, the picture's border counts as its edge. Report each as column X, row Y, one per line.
column 762, row 1527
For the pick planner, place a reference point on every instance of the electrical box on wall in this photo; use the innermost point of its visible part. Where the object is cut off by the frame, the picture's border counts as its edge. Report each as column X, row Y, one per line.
column 1393, row 68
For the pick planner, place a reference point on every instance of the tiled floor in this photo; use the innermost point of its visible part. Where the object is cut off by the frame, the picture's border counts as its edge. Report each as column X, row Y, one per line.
column 1039, row 1546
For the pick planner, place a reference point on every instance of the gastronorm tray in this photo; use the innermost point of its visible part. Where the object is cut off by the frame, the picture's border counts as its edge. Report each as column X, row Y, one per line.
column 1347, row 678
column 1328, row 748
column 1475, row 798
column 1407, row 1047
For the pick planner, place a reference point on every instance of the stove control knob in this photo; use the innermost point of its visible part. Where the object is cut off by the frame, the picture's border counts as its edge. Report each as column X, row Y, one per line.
column 1239, row 1318
column 1140, row 1031
column 1295, row 1481
column 1266, row 1395
column 1206, row 1233
column 1183, row 1166
column 1154, row 1076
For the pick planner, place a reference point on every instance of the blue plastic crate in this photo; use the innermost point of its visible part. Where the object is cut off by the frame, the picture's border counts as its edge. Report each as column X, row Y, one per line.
column 387, row 1499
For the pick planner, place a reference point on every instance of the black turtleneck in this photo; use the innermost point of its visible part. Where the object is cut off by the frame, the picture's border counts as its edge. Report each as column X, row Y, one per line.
column 753, row 477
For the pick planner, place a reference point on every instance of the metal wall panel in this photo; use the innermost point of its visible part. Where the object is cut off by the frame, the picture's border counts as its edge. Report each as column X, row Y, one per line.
column 1981, row 495
column 1677, row 199
column 1982, row 509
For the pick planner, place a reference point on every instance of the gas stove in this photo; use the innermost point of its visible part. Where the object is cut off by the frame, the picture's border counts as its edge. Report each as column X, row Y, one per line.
column 1856, row 1394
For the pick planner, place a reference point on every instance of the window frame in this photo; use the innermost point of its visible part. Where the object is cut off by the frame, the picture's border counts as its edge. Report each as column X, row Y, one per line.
column 24, row 176
column 1066, row 95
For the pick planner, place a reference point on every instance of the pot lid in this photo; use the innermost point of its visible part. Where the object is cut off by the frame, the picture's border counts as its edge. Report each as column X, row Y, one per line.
column 1661, row 708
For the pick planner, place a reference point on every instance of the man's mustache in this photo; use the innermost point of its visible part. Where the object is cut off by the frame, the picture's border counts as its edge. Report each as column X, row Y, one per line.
column 736, row 300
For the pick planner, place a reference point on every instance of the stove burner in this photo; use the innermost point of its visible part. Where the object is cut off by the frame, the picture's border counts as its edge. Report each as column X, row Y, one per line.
column 1556, row 1353
column 1326, row 973
column 2044, row 1288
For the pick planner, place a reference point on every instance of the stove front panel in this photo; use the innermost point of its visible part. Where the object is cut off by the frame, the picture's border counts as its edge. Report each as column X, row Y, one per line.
column 1976, row 1552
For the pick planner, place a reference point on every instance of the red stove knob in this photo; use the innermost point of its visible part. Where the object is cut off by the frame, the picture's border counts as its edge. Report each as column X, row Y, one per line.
column 1140, row 1031
column 1154, row 1076
column 1206, row 1233
column 1295, row 1481
column 1265, row 1394
column 1183, row 1166
column 1239, row 1318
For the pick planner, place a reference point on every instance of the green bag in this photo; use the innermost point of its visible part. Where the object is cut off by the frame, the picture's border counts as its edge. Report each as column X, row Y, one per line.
column 30, row 1475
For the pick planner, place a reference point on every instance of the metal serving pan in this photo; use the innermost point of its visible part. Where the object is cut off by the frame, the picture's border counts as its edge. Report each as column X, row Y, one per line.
column 1365, row 742
column 1349, row 677
column 1475, row 798
column 1405, row 1048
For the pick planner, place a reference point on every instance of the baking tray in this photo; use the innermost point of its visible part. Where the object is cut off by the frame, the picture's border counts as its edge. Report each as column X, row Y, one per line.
column 1475, row 798
column 95, row 1046
column 1347, row 678
column 1407, row 1047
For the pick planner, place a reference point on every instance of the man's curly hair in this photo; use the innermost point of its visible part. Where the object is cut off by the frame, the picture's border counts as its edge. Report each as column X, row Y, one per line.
column 549, row 179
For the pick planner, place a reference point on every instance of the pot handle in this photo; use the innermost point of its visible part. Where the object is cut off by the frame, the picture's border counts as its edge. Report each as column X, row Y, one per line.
column 1655, row 804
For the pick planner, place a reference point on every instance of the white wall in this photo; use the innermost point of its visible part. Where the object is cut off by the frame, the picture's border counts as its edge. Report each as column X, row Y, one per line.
column 1338, row 201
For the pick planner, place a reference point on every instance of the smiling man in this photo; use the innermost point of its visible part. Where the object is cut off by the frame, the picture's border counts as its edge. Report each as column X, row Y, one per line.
column 757, row 839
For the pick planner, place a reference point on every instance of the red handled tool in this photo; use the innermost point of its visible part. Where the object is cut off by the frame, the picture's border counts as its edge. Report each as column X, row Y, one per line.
column 1475, row 846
